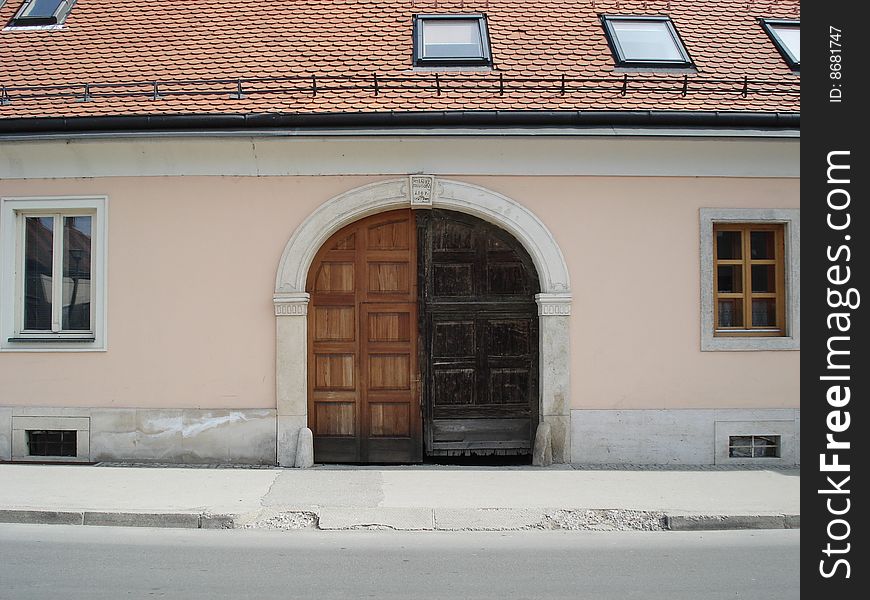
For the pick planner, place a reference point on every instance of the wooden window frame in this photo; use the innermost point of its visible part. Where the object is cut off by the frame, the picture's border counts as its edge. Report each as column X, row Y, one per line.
column 747, row 295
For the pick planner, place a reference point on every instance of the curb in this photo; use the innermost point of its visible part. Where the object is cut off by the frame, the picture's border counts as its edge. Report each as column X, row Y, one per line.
column 118, row 519
column 723, row 522
column 457, row 520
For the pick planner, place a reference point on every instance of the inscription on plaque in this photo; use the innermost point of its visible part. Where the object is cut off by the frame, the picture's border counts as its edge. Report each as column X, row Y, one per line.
column 421, row 190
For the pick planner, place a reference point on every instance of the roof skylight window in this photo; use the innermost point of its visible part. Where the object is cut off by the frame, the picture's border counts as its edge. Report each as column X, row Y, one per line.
column 645, row 42
column 41, row 12
column 787, row 37
column 443, row 40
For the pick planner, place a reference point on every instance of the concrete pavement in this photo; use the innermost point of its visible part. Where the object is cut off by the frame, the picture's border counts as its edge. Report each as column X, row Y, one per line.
column 402, row 498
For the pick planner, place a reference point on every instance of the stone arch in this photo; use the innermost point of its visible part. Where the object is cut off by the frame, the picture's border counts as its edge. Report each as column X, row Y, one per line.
column 382, row 196
column 421, row 192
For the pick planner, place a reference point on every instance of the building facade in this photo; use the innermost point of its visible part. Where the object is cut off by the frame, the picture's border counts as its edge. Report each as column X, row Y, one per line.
column 428, row 250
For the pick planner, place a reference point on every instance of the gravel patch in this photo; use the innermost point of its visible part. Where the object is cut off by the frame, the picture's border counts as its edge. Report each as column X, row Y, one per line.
column 604, row 520
column 285, row 521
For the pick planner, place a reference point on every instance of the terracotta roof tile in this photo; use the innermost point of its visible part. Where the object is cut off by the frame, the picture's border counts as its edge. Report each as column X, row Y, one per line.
column 197, row 50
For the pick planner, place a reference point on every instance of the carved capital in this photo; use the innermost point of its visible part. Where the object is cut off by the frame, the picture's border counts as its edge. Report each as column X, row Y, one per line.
column 291, row 304
column 553, row 305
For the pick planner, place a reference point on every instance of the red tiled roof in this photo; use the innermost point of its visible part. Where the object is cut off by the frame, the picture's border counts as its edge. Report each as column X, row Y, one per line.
column 548, row 55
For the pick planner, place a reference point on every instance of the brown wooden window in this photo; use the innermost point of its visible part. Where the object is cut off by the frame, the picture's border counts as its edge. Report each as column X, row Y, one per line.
column 749, row 279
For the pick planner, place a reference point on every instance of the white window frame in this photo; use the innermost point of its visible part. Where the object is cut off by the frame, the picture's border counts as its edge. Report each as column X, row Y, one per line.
column 13, row 211
column 790, row 218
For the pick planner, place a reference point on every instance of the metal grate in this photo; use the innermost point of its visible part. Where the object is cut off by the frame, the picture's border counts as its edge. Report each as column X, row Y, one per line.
column 754, row 446
column 423, row 84
column 51, row 443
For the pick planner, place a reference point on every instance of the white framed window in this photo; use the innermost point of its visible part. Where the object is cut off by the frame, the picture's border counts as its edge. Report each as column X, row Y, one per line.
column 750, row 279
column 53, row 273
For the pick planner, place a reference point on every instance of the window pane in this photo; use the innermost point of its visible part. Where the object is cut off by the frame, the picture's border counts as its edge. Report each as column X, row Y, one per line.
column 766, row 440
column 77, row 273
column 646, row 40
column 731, row 313
column 739, row 452
column 41, row 8
column 764, row 312
column 728, row 245
column 452, row 38
column 765, row 452
column 730, row 279
column 764, row 278
column 761, row 244
column 740, row 440
column 791, row 39
column 38, row 239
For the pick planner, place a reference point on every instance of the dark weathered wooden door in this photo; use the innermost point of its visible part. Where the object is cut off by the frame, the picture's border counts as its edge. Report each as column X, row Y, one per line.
column 363, row 382
column 479, row 324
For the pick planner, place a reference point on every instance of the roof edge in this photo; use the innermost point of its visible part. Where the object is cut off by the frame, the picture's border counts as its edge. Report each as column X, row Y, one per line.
column 401, row 120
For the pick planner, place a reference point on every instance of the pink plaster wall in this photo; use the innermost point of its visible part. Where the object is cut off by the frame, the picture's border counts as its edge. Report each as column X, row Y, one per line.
column 192, row 264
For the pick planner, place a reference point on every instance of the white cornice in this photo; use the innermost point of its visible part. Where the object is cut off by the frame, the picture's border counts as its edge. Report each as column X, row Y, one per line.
column 398, row 155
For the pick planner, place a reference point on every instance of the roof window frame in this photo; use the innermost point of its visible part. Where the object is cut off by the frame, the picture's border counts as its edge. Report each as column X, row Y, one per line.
column 419, row 60
column 57, row 18
column 619, row 56
column 769, row 26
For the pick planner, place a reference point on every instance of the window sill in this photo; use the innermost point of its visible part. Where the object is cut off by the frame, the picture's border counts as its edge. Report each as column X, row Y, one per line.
column 748, row 343
column 25, row 343
column 53, row 340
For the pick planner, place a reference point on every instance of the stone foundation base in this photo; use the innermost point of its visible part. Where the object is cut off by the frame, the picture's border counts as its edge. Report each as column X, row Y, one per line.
column 680, row 436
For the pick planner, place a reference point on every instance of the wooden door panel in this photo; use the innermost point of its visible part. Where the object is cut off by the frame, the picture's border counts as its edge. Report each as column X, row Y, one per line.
column 392, row 235
column 482, row 434
column 389, row 277
column 335, row 418
column 391, row 391
column 334, row 323
column 335, row 277
column 364, row 402
column 479, row 320
column 389, row 372
column 334, row 372
column 454, row 385
column 390, row 419
column 452, row 339
column 389, row 326
column 508, row 337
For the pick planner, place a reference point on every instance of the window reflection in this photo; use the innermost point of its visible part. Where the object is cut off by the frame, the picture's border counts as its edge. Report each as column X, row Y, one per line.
column 39, row 237
column 76, row 273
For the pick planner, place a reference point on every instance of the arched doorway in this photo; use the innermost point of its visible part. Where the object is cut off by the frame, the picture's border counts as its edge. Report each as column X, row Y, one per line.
column 291, row 301
column 463, row 374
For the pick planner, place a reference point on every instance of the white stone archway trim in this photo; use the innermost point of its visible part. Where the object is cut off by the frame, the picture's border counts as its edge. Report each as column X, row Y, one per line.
column 291, row 300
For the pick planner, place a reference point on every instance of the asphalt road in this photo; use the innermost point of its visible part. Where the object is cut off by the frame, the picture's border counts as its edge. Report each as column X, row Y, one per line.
column 75, row 562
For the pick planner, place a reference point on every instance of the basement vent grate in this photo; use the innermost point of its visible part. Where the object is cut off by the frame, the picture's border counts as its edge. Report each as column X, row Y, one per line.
column 754, row 446
column 43, row 442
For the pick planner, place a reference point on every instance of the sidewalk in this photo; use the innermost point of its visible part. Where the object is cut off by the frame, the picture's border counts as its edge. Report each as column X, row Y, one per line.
column 405, row 498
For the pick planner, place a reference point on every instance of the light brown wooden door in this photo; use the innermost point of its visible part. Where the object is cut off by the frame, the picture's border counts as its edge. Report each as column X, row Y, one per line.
column 363, row 381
